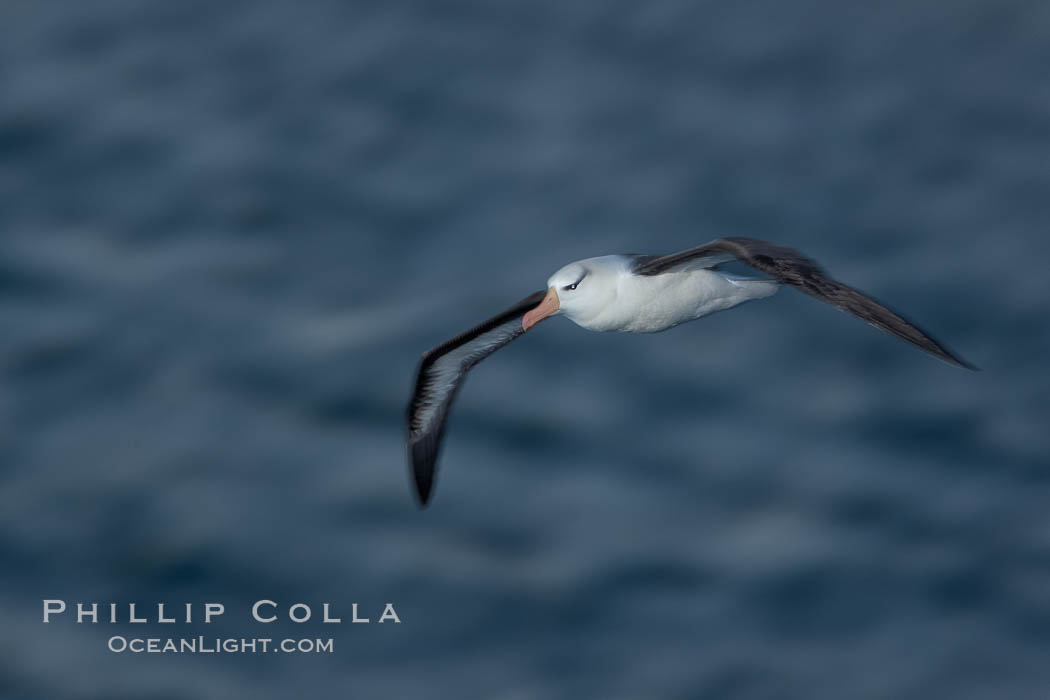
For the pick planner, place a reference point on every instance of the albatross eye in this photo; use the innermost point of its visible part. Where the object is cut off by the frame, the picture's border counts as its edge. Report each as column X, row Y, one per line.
column 570, row 287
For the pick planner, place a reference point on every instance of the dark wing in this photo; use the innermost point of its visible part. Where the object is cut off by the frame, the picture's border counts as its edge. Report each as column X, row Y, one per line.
column 441, row 373
column 791, row 267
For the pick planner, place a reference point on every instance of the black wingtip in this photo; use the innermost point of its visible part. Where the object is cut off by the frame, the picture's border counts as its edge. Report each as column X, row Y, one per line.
column 422, row 495
column 422, row 474
column 942, row 353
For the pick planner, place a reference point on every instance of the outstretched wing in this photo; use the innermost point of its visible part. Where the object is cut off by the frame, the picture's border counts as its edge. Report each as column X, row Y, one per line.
column 441, row 373
column 788, row 266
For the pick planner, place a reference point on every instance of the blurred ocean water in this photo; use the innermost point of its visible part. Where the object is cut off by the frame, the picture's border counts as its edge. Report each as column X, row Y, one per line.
column 229, row 231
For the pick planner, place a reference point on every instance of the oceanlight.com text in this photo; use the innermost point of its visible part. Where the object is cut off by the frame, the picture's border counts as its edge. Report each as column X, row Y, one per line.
column 218, row 645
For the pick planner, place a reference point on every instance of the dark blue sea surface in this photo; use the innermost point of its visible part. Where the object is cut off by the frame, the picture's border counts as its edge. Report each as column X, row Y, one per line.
column 229, row 230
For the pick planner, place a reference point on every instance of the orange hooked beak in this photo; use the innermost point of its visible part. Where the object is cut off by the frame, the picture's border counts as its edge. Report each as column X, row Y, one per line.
column 546, row 308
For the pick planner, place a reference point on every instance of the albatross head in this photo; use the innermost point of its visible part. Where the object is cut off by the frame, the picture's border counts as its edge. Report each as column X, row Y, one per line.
column 580, row 290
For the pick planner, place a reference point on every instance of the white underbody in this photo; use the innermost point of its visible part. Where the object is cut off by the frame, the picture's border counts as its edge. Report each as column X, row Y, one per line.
column 649, row 304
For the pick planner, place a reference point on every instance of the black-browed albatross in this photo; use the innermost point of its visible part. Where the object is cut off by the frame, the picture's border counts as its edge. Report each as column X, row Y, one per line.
column 632, row 294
